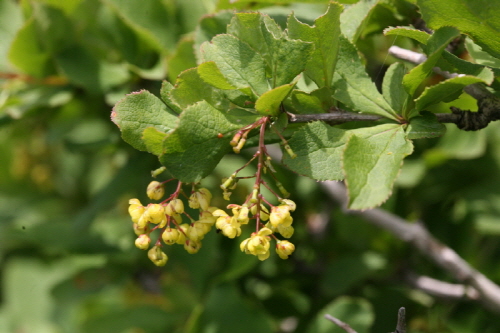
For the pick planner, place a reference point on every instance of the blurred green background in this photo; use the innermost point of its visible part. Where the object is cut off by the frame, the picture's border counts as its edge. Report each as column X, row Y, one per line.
column 67, row 254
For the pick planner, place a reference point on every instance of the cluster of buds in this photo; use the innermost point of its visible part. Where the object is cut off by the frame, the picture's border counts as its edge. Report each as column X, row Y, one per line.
column 168, row 217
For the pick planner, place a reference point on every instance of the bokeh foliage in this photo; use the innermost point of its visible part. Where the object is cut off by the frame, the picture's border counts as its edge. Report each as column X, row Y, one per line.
column 66, row 246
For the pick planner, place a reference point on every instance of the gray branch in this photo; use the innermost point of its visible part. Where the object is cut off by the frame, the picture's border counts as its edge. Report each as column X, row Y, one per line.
column 418, row 236
column 441, row 289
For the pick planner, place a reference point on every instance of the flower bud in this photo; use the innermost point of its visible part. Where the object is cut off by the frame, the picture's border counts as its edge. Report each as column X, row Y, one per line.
column 155, row 190
column 191, row 246
column 142, row 242
column 136, row 212
column 139, row 231
column 157, row 256
column 156, row 213
column 158, row 171
column 284, row 249
column 170, row 236
column 174, row 207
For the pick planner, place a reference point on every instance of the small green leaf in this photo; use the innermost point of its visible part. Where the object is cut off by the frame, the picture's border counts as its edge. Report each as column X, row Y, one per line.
column 194, row 148
column 418, row 35
column 371, row 165
column 425, row 126
column 153, row 140
column 445, row 91
column 480, row 19
column 324, row 35
column 353, row 86
column 392, row 87
column 355, row 18
column 242, row 66
column 138, row 111
column 317, row 101
column 211, row 74
column 435, row 46
column 190, row 89
column 269, row 103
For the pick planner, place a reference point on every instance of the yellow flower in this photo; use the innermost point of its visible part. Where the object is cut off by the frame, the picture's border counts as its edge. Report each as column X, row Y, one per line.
column 157, row 256
column 170, row 235
column 142, row 242
column 191, row 246
column 258, row 244
column 284, row 249
column 155, row 190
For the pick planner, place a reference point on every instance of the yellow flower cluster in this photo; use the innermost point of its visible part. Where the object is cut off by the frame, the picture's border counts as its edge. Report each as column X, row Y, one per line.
column 279, row 220
column 168, row 217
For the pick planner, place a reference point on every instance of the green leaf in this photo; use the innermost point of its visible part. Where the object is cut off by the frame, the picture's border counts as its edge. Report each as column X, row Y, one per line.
column 324, row 35
column 418, row 35
column 284, row 58
column 319, row 150
column 153, row 140
column 209, row 27
column 242, row 66
column 11, row 21
column 153, row 21
column 480, row 19
column 480, row 56
column 84, row 70
column 182, row 59
column 211, row 74
column 392, row 87
column 445, row 91
column 138, row 111
column 353, row 86
column 26, row 52
column 269, row 103
column 317, row 101
column 465, row 67
column 371, row 165
column 425, row 126
column 357, row 312
column 355, row 18
column 194, row 148
column 435, row 46
column 190, row 89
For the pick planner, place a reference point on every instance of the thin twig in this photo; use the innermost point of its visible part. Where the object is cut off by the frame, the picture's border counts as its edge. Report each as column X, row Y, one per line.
column 340, row 324
column 418, row 236
column 441, row 289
